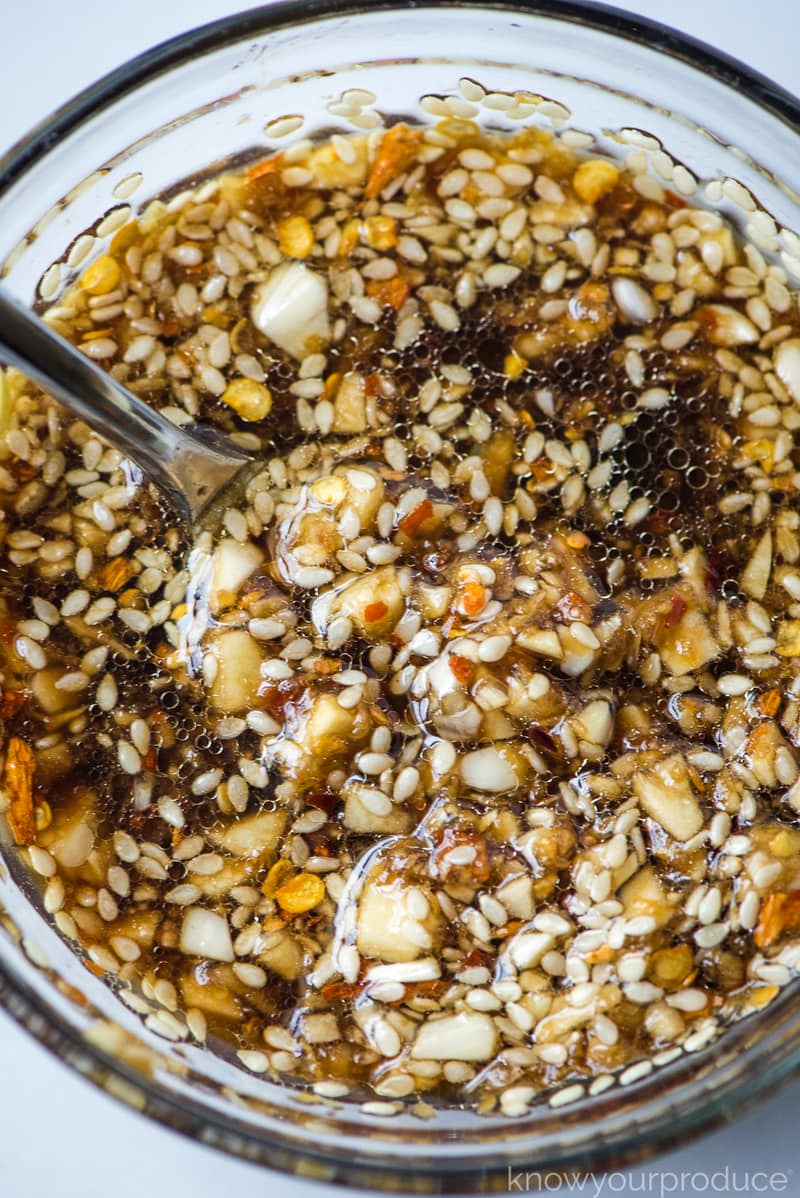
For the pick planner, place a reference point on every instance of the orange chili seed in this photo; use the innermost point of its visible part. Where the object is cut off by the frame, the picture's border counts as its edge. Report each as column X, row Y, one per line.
column 375, row 611
column 132, row 597
column 332, row 384
column 380, row 232
column 543, row 469
column 102, row 276
column 600, row 955
column 349, row 238
column 326, row 665
column 302, row 893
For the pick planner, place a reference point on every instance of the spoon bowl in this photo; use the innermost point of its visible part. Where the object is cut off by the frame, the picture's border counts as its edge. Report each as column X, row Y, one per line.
column 191, row 469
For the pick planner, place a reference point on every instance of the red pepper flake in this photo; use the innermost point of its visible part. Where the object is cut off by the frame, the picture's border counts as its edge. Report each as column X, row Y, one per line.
column 410, row 525
column 433, row 988
column 780, row 912
column 769, row 703
column 477, row 958
column 372, row 385
column 720, row 566
column 267, row 167
column 673, row 199
column 543, row 469
column 396, row 152
column 374, row 612
column 277, row 696
column 72, row 993
column 541, row 739
column 661, row 521
column 478, row 870
column 11, row 703
column 18, row 781
column 676, row 611
column 170, row 327
column 150, row 760
column 390, row 293
column 319, row 843
column 460, row 666
column 340, row 991
column 324, row 800
column 473, row 599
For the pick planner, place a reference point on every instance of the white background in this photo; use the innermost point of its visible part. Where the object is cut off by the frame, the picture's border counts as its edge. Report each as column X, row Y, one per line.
column 59, row 1138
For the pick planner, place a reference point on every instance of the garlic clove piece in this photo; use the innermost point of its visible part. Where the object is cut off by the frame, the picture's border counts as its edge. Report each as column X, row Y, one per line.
column 291, row 309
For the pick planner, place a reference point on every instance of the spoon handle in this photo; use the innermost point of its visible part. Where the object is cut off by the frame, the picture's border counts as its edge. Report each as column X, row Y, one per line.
column 189, row 471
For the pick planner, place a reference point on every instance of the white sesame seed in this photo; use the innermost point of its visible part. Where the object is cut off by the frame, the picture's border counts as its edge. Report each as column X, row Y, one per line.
column 711, row 935
column 311, row 577
column 567, row 1095
column 129, row 760
column 733, row 684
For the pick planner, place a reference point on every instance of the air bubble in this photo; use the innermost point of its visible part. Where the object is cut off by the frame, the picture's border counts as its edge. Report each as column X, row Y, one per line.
column 656, row 359
column 678, row 458
column 637, row 456
column 697, row 478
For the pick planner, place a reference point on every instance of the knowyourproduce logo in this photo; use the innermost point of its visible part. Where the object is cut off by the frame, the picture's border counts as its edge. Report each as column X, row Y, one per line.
column 657, row 1182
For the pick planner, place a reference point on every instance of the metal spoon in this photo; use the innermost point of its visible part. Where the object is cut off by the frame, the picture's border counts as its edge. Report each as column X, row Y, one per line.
column 191, row 469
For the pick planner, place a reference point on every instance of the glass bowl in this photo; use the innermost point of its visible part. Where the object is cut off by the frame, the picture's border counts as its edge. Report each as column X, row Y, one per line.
column 222, row 94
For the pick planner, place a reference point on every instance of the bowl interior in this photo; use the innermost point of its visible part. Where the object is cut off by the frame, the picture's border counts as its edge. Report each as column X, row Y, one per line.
column 242, row 89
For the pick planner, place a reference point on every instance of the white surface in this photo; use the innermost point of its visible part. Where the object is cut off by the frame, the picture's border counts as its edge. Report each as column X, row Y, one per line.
column 58, row 1136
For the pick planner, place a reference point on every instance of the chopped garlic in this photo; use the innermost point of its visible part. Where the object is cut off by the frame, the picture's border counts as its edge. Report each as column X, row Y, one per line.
column 232, row 565
column 494, row 770
column 467, row 1036
column 787, row 366
column 291, row 308
column 206, row 934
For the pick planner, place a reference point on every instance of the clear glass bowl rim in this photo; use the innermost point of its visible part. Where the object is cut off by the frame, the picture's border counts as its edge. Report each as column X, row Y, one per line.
column 776, row 1053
